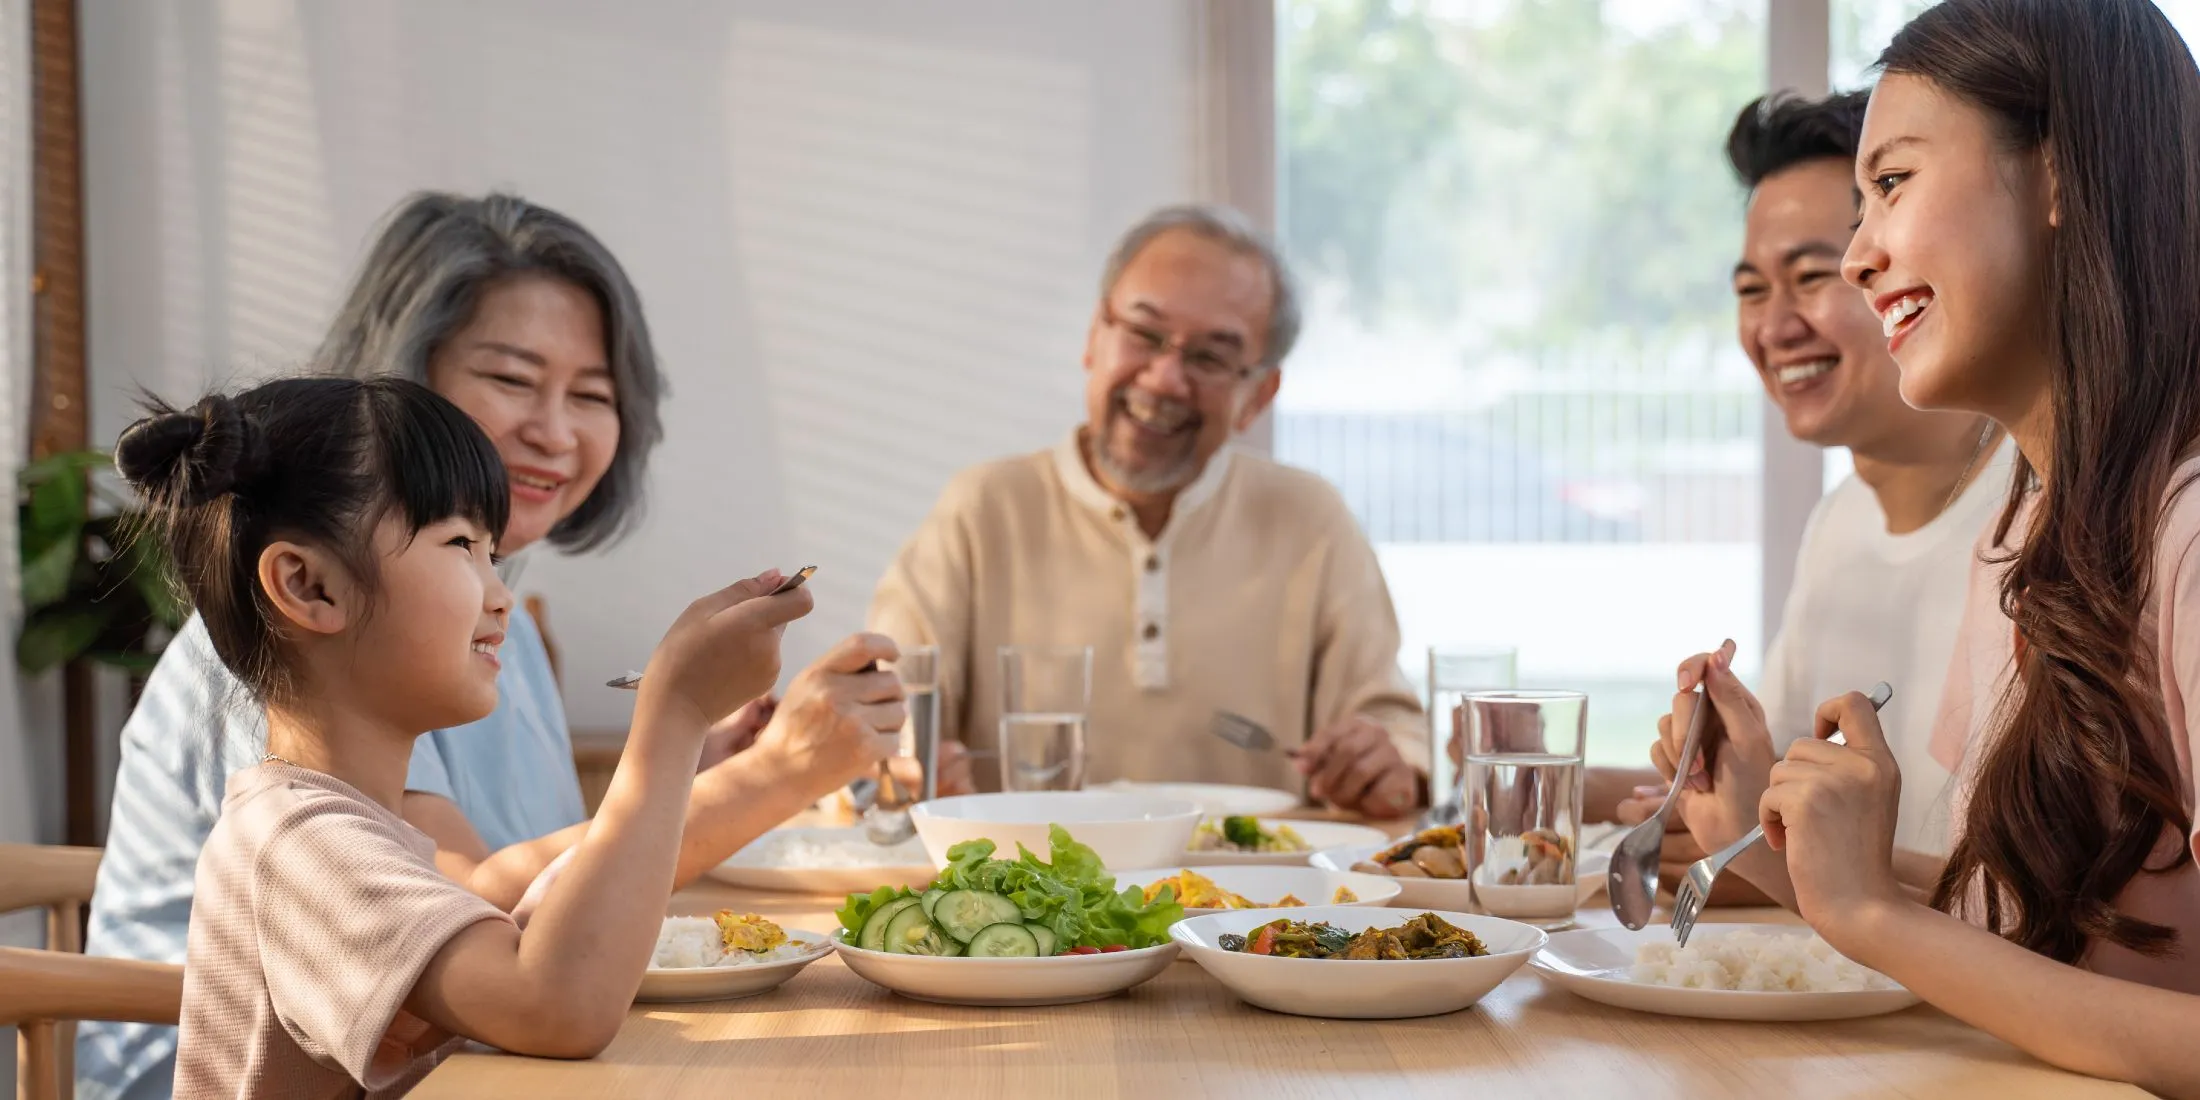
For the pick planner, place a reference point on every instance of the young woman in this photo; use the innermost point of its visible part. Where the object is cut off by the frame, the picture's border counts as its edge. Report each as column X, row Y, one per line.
column 2030, row 238
column 336, row 536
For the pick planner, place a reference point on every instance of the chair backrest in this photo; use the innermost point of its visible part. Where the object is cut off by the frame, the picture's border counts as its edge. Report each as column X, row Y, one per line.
column 41, row 992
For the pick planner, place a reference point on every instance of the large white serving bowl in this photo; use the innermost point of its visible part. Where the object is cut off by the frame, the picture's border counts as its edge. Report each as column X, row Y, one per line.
column 1318, row 835
column 725, row 983
column 1214, row 799
column 1006, row 983
column 1265, row 884
column 1454, row 893
column 1126, row 830
column 1356, row 990
column 1597, row 963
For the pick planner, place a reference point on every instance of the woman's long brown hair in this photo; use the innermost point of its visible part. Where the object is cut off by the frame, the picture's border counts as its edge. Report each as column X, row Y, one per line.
column 2073, row 796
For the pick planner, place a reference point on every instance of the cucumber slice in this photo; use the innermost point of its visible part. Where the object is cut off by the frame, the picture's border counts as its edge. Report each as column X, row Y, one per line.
column 962, row 913
column 873, row 936
column 1048, row 941
column 932, row 900
column 1004, row 941
column 911, row 934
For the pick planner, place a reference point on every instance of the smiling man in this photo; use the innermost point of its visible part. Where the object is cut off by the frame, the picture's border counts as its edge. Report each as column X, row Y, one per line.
column 1204, row 577
column 1880, row 577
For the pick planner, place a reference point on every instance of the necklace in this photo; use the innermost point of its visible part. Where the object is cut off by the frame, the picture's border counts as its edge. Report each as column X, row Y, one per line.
column 1985, row 435
column 265, row 757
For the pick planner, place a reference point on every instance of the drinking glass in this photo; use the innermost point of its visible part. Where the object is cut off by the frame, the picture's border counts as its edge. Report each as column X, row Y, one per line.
column 919, row 669
column 1046, row 692
column 1523, row 782
column 1454, row 671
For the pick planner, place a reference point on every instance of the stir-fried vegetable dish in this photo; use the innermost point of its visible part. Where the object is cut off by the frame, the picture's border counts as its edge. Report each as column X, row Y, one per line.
column 1427, row 936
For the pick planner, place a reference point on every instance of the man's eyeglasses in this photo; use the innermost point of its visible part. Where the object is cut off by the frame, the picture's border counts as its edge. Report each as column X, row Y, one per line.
column 1204, row 363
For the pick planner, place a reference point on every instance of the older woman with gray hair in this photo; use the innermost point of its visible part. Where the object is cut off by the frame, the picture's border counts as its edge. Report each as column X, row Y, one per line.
column 523, row 319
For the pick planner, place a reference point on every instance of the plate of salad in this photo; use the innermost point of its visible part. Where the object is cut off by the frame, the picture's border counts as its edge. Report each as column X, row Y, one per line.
column 1010, row 932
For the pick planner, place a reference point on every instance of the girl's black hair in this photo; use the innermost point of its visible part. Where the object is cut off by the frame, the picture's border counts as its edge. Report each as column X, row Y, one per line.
column 320, row 460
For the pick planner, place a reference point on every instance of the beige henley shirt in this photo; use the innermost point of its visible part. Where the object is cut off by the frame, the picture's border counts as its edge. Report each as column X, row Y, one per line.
column 1261, row 596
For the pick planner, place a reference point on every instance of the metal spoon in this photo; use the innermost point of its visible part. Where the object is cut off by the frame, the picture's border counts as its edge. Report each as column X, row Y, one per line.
column 1633, row 879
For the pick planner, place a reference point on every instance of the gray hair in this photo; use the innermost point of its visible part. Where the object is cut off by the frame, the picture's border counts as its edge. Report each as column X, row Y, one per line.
column 1234, row 231
column 427, row 270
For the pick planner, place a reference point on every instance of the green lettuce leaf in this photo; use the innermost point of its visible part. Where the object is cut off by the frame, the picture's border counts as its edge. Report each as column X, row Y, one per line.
column 861, row 906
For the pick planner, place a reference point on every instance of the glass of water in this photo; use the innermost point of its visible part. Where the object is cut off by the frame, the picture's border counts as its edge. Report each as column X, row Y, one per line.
column 1046, row 691
column 1523, row 783
column 1453, row 672
column 919, row 669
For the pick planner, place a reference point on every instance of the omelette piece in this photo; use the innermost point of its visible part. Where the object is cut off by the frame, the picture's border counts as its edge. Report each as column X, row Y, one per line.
column 748, row 932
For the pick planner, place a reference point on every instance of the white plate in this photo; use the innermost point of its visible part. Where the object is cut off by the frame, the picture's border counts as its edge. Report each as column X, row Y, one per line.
column 1317, row 835
column 754, row 867
column 1357, row 990
column 1594, row 963
column 724, row 983
column 1213, row 798
column 1006, row 983
column 1263, row 884
column 1454, row 893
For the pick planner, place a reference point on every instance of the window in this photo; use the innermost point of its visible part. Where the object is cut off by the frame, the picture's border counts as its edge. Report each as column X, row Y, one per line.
column 1514, row 222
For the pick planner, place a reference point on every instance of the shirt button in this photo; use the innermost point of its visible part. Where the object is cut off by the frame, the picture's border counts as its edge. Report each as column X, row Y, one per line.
column 1116, row 514
column 1152, row 631
column 1153, row 563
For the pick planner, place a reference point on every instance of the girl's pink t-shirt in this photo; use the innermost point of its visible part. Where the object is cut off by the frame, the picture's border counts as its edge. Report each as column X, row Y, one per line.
column 1984, row 666
column 316, row 912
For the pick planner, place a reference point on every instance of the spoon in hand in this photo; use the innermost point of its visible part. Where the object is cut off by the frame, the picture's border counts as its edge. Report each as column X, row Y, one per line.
column 1633, row 881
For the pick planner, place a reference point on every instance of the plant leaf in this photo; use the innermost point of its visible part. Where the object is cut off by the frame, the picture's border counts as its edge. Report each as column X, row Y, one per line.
column 46, row 575
column 141, row 663
column 55, row 509
column 57, row 635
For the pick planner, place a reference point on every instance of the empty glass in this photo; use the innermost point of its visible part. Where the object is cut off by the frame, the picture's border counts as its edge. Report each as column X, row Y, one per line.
column 1454, row 671
column 1046, row 692
column 1523, row 782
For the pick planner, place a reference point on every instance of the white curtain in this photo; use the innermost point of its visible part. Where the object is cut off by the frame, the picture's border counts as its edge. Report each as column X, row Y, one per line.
column 19, row 814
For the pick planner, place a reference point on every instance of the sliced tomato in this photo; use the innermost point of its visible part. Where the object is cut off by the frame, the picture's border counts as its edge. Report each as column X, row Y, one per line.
column 1082, row 951
column 1264, row 941
column 1113, row 947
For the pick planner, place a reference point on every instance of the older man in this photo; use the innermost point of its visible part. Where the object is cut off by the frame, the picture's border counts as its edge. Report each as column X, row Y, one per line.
column 1205, row 578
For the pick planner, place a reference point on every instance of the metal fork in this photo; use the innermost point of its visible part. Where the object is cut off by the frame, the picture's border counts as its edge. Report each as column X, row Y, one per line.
column 1246, row 734
column 1694, row 890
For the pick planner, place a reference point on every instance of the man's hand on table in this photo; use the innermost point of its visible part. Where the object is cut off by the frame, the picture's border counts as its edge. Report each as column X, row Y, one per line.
column 1353, row 765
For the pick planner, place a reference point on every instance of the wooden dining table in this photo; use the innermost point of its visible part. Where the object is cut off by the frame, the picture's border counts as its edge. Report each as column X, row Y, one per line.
column 828, row 1033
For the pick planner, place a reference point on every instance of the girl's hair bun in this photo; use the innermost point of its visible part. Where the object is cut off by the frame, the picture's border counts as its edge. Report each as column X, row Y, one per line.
column 191, row 456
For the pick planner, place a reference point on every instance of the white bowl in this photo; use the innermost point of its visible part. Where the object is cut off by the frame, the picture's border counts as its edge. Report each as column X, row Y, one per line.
column 1456, row 894
column 1318, row 835
column 1006, row 983
column 1352, row 989
column 1213, row 798
column 1597, row 963
column 1127, row 830
column 725, row 983
column 1264, row 884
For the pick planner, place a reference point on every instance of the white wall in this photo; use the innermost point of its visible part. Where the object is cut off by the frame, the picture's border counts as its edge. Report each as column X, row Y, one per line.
column 866, row 233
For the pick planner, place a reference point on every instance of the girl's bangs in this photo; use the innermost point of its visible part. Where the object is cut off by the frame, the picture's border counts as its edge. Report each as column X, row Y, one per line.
column 441, row 464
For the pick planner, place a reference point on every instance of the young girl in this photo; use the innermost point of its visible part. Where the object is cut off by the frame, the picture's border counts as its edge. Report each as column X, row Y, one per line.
column 2030, row 237
column 336, row 535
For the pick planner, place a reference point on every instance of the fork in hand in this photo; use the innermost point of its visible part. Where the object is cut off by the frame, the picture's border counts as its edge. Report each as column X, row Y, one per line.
column 1694, row 890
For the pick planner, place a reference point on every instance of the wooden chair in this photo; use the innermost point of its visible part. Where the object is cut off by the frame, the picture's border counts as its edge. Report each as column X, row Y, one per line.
column 539, row 609
column 43, row 992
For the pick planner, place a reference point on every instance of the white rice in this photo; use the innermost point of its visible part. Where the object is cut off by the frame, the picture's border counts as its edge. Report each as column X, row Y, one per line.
column 797, row 851
column 688, row 942
column 1765, row 962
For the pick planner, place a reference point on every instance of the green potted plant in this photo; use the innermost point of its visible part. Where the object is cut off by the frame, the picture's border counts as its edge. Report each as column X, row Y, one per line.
column 91, row 591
